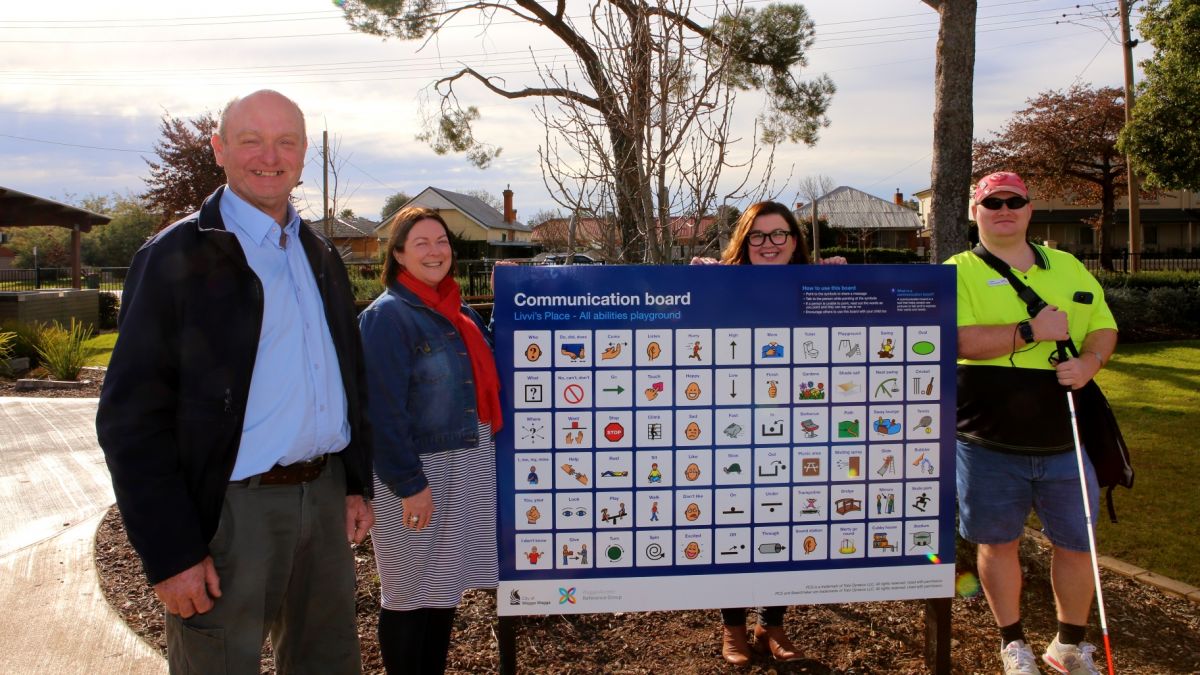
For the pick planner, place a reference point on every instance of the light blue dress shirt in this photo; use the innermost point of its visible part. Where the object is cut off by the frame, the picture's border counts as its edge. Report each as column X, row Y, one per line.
column 296, row 409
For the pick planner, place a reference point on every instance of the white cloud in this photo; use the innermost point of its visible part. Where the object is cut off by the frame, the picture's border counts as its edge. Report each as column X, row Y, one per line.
column 110, row 94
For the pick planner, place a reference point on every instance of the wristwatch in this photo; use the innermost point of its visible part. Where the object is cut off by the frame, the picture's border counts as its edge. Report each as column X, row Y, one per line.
column 1026, row 331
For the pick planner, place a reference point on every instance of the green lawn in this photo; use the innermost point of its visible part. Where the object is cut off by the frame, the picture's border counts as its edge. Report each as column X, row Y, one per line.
column 1154, row 389
column 100, row 348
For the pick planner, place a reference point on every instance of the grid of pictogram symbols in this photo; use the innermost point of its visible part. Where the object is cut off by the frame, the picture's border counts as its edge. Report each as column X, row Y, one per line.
column 710, row 446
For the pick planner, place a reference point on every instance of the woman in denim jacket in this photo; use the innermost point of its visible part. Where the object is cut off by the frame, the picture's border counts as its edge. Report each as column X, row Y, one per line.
column 433, row 405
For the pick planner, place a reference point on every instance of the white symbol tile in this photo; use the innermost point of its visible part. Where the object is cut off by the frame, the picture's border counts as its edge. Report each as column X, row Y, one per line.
column 772, row 346
column 924, row 343
column 532, row 349
column 573, row 349
column 733, row 346
column 811, row 345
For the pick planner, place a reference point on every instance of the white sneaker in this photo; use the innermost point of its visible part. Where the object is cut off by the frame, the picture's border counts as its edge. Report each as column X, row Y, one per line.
column 1071, row 659
column 1018, row 659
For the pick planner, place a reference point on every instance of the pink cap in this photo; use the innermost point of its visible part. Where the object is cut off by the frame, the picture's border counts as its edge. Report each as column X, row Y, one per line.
column 1001, row 181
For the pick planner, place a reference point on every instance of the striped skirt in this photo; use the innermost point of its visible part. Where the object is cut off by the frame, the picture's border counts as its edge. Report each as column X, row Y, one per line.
column 457, row 551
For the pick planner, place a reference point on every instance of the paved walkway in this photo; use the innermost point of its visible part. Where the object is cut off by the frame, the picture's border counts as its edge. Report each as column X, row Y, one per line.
column 54, row 489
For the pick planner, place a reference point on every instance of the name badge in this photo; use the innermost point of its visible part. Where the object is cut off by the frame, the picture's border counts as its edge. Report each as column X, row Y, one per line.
column 997, row 282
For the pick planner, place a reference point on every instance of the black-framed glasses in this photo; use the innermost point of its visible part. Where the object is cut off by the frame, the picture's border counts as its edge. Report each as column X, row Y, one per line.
column 1013, row 203
column 778, row 237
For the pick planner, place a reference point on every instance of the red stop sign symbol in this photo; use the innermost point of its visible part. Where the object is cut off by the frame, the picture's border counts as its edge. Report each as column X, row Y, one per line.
column 614, row 432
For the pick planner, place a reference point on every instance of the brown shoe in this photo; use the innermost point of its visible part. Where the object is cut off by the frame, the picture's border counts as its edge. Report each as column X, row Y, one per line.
column 734, row 647
column 772, row 639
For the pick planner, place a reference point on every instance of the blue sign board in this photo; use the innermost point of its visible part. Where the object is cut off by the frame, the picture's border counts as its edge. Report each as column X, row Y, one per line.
column 723, row 436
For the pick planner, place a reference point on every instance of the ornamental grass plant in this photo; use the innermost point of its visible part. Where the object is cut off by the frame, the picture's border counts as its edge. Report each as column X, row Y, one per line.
column 62, row 351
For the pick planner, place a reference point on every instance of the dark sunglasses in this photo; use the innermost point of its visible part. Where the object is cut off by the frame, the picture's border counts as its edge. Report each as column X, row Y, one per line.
column 778, row 237
column 1013, row 203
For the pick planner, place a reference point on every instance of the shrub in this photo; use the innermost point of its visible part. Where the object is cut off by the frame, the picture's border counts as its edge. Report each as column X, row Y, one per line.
column 110, row 305
column 878, row 256
column 365, row 288
column 1156, row 314
column 7, row 340
column 25, row 341
column 1149, row 280
column 62, row 351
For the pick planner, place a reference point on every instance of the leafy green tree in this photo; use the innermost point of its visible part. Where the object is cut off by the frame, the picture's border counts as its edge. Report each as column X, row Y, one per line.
column 1163, row 139
column 187, row 171
column 53, row 246
column 1064, row 144
column 655, row 82
column 392, row 205
column 114, row 244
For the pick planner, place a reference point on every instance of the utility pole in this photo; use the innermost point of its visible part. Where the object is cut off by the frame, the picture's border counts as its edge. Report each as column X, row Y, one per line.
column 816, row 241
column 1135, row 217
column 325, row 184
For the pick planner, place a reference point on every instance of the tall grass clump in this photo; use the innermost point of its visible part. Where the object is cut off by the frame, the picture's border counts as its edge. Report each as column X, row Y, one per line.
column 62, row 351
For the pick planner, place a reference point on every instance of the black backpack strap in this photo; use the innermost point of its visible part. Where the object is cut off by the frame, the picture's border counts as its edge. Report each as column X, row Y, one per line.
column 1112, row 510
column 1033, row 301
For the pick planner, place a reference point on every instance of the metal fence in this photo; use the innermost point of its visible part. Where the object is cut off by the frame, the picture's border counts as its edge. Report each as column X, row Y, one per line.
column 1147, row 262
column 475, row 276
column 100, row 278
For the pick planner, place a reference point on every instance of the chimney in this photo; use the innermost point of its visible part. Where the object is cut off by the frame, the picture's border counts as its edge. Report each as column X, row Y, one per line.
column 899, row 198
column 510, row 216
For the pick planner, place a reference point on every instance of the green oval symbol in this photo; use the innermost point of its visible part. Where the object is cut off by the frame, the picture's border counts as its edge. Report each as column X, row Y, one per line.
column 924, row 348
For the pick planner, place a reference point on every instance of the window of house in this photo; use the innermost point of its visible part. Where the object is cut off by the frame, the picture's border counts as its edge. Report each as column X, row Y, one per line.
column 1150, row 235
column 1085, row 236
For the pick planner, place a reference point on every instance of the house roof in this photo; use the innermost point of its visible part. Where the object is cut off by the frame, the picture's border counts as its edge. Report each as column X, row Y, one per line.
column 846, row 208
column 348, row 228
column 472, row 207
column 18, row 209
column 6, row 252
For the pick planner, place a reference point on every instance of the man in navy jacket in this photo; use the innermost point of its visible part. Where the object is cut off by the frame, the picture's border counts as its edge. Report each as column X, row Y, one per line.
column 232, row 416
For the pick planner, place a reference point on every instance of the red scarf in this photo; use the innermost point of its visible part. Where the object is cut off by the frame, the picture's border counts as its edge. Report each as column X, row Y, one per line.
column 446, row 300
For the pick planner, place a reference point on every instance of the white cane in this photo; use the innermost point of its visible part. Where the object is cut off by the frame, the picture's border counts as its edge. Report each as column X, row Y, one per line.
column 1087, row 512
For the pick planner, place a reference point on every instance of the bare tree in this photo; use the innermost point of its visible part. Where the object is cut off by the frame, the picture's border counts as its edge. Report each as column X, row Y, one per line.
column 640, row 65
column 340, row 189
column 683, row 127
column 953, row 112
column 813, row 188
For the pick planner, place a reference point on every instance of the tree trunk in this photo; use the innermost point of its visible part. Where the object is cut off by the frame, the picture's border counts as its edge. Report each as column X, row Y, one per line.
column 1108, row 208
column 952, row 127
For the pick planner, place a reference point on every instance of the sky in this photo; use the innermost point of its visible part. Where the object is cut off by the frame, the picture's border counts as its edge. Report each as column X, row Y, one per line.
column 83, row 86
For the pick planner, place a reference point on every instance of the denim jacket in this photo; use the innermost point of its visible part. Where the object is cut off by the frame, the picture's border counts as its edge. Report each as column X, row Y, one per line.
column 419, row 383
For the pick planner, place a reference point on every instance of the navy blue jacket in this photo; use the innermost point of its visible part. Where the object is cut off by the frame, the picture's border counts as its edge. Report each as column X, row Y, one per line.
column 174, row 398
column 420, row 383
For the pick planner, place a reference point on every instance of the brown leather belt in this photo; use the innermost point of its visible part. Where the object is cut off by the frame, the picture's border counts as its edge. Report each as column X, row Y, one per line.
column 292, row 474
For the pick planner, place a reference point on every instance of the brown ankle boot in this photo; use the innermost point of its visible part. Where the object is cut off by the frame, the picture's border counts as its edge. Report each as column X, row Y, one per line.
column 772, row 639
column 734, row 647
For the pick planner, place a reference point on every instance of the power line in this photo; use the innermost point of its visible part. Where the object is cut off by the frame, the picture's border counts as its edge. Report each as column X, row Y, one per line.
column 76, row 145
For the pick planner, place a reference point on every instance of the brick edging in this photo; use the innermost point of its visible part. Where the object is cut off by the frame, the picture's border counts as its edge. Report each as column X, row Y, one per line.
column 1165, row 584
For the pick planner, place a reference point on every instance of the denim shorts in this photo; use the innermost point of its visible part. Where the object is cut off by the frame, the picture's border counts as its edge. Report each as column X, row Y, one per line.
column 997, row 489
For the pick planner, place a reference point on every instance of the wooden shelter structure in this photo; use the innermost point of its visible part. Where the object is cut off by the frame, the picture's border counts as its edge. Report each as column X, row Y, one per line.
column 18, row 209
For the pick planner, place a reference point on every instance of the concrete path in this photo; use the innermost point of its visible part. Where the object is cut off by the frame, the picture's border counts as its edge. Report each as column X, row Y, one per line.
column 54, row 489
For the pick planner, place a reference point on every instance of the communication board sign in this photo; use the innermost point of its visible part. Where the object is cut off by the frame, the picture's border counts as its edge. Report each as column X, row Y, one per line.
column 724, row 436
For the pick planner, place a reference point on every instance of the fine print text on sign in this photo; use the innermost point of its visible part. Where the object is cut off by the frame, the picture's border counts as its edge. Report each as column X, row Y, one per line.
column 713, row 436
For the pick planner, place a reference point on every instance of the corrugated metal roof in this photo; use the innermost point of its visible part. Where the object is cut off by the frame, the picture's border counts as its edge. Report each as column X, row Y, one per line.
column 846, row 208
column 348, row 228
column 472, row 207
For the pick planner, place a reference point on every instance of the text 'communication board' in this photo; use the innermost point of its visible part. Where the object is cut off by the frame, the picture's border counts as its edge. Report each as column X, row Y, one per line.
column 724, row 436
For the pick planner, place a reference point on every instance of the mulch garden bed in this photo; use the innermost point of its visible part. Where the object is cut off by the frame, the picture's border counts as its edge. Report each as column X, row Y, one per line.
column 1152, row 633
column 91, row 380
